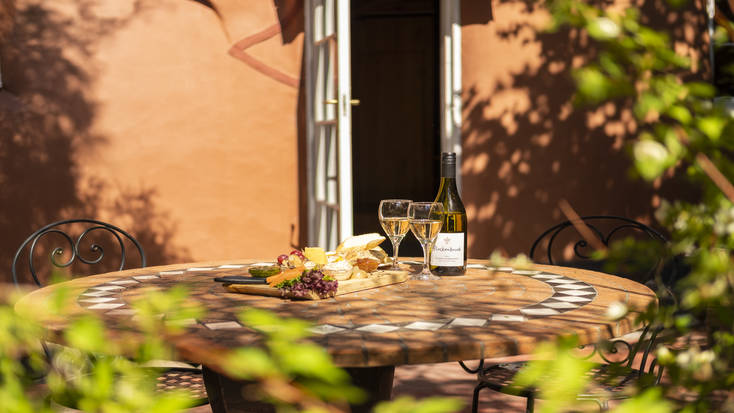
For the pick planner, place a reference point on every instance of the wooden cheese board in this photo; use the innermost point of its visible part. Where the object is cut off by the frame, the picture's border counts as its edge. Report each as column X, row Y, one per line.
column 376, row 279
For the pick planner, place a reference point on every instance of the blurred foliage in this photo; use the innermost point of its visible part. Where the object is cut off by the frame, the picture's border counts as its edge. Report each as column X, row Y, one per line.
column 680, row 129
column 290, row 372
column 89, row 375
column 561, row 372
column 410, row 405
column 102, row 370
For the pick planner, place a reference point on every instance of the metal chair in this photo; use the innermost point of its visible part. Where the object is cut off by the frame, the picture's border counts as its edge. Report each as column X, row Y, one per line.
column 610, row 378
column 93, row 227
column 97, row 235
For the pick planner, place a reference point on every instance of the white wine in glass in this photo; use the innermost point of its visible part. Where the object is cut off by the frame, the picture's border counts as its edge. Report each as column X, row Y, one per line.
column 426, row 219
column 393, row 214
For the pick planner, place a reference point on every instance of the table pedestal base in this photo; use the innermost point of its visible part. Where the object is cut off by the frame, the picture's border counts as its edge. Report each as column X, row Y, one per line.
column 226, row 395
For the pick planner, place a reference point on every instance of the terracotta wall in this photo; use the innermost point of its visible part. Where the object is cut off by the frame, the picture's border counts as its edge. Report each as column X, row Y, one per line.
column 179, row 120
column 526, row 146
column 135, row 112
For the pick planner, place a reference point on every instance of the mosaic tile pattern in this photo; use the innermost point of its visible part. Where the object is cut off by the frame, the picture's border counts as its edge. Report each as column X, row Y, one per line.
column 568, row 294
column 489, row 312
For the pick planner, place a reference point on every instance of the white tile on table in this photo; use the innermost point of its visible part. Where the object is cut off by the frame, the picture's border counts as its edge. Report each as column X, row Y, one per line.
column 504, row 269
column 572, row 299
column 106, row 306
column 575, row 292
column 424, row 325
column 145, row 277
column 508, row 317
column 378, row 328
column 108, row 288
column 467, row 322
column 576, row 286
column 526, row 272
column 539, row 311
column 559, row 304
column 224, row 325
column 171, row 272
column 477, row 266
column 92, row 293
column 232, row 266
column 324, row 329
column 200, row 269
column 562, row 281
column 123, row 282
column 548, row 276
column 98, row 300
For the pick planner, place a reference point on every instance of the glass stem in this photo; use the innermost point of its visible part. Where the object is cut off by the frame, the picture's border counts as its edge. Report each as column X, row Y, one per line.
column 426, row 268
column 395, row 247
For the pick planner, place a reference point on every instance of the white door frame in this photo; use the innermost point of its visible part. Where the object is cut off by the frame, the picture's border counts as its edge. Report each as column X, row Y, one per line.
column 328, row 121
column 344, row 116
column 450, row 78
column 329, row 111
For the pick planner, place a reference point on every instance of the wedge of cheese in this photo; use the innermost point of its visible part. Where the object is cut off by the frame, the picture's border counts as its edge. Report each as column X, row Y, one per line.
column 316, row 254
column 359, row 243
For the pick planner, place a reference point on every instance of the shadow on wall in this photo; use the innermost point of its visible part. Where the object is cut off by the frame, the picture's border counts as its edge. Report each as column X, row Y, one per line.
column 50, row 124
column 526, row 145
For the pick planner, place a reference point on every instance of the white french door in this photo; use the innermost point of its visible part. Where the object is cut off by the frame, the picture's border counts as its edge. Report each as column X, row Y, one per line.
column 329, row 111
column 328, row 121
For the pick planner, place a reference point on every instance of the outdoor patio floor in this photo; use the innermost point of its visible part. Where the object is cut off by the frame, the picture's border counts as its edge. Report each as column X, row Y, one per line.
column 444, row 379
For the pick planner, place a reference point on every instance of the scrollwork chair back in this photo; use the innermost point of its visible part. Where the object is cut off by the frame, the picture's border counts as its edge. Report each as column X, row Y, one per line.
column 74, row 246
column 618, row 357
column 554, row 245
column 604, row 227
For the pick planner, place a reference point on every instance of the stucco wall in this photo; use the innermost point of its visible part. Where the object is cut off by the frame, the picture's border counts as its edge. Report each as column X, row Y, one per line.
column 180, row 122
column 527, row 146
column 135, row 112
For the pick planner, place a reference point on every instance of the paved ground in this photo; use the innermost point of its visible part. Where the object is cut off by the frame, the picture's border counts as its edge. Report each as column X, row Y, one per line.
column 445, row 379
column 449, row 379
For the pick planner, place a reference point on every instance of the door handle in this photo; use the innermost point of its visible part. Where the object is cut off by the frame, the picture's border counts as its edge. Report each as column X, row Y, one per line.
column 353, row 102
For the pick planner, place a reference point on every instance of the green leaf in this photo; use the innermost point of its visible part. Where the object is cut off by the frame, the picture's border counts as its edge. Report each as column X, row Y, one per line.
column 609, row 64
column 248, row 363
column 170, row 403
column 712, row 126
column 269, row 323
column 681, row 114
column 646, row 104
column 672, row 142
column 700, row 89
column 651, row 158
column 409, row 405
column 308, row 360
column 651, row 401
column 86, row 334
column 593, row 86
column 603, row 28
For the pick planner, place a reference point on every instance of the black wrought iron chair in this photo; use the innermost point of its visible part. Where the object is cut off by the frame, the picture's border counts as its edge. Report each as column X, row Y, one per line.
column 98, row 235
column 611, row 377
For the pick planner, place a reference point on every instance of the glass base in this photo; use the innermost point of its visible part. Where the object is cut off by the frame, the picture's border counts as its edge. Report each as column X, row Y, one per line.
column 424, row 277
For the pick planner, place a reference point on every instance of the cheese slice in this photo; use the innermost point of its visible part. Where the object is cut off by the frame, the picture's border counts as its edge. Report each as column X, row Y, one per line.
column 360, row 242
column 316, row 254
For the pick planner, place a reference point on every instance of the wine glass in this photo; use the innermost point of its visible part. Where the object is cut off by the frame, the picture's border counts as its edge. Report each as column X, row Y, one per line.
column 393, row 214
column 426, row 219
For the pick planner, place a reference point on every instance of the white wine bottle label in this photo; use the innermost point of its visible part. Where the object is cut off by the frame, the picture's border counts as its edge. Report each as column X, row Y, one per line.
column 448, row 251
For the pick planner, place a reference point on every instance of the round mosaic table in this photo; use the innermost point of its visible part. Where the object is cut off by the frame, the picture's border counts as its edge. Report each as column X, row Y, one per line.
column 489, row 312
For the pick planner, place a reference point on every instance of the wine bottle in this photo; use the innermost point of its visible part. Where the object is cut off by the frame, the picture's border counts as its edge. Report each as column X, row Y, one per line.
column 448, row 255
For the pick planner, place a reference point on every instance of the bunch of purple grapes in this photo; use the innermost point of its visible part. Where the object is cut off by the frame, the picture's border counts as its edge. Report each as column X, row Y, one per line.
column 314, row 281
